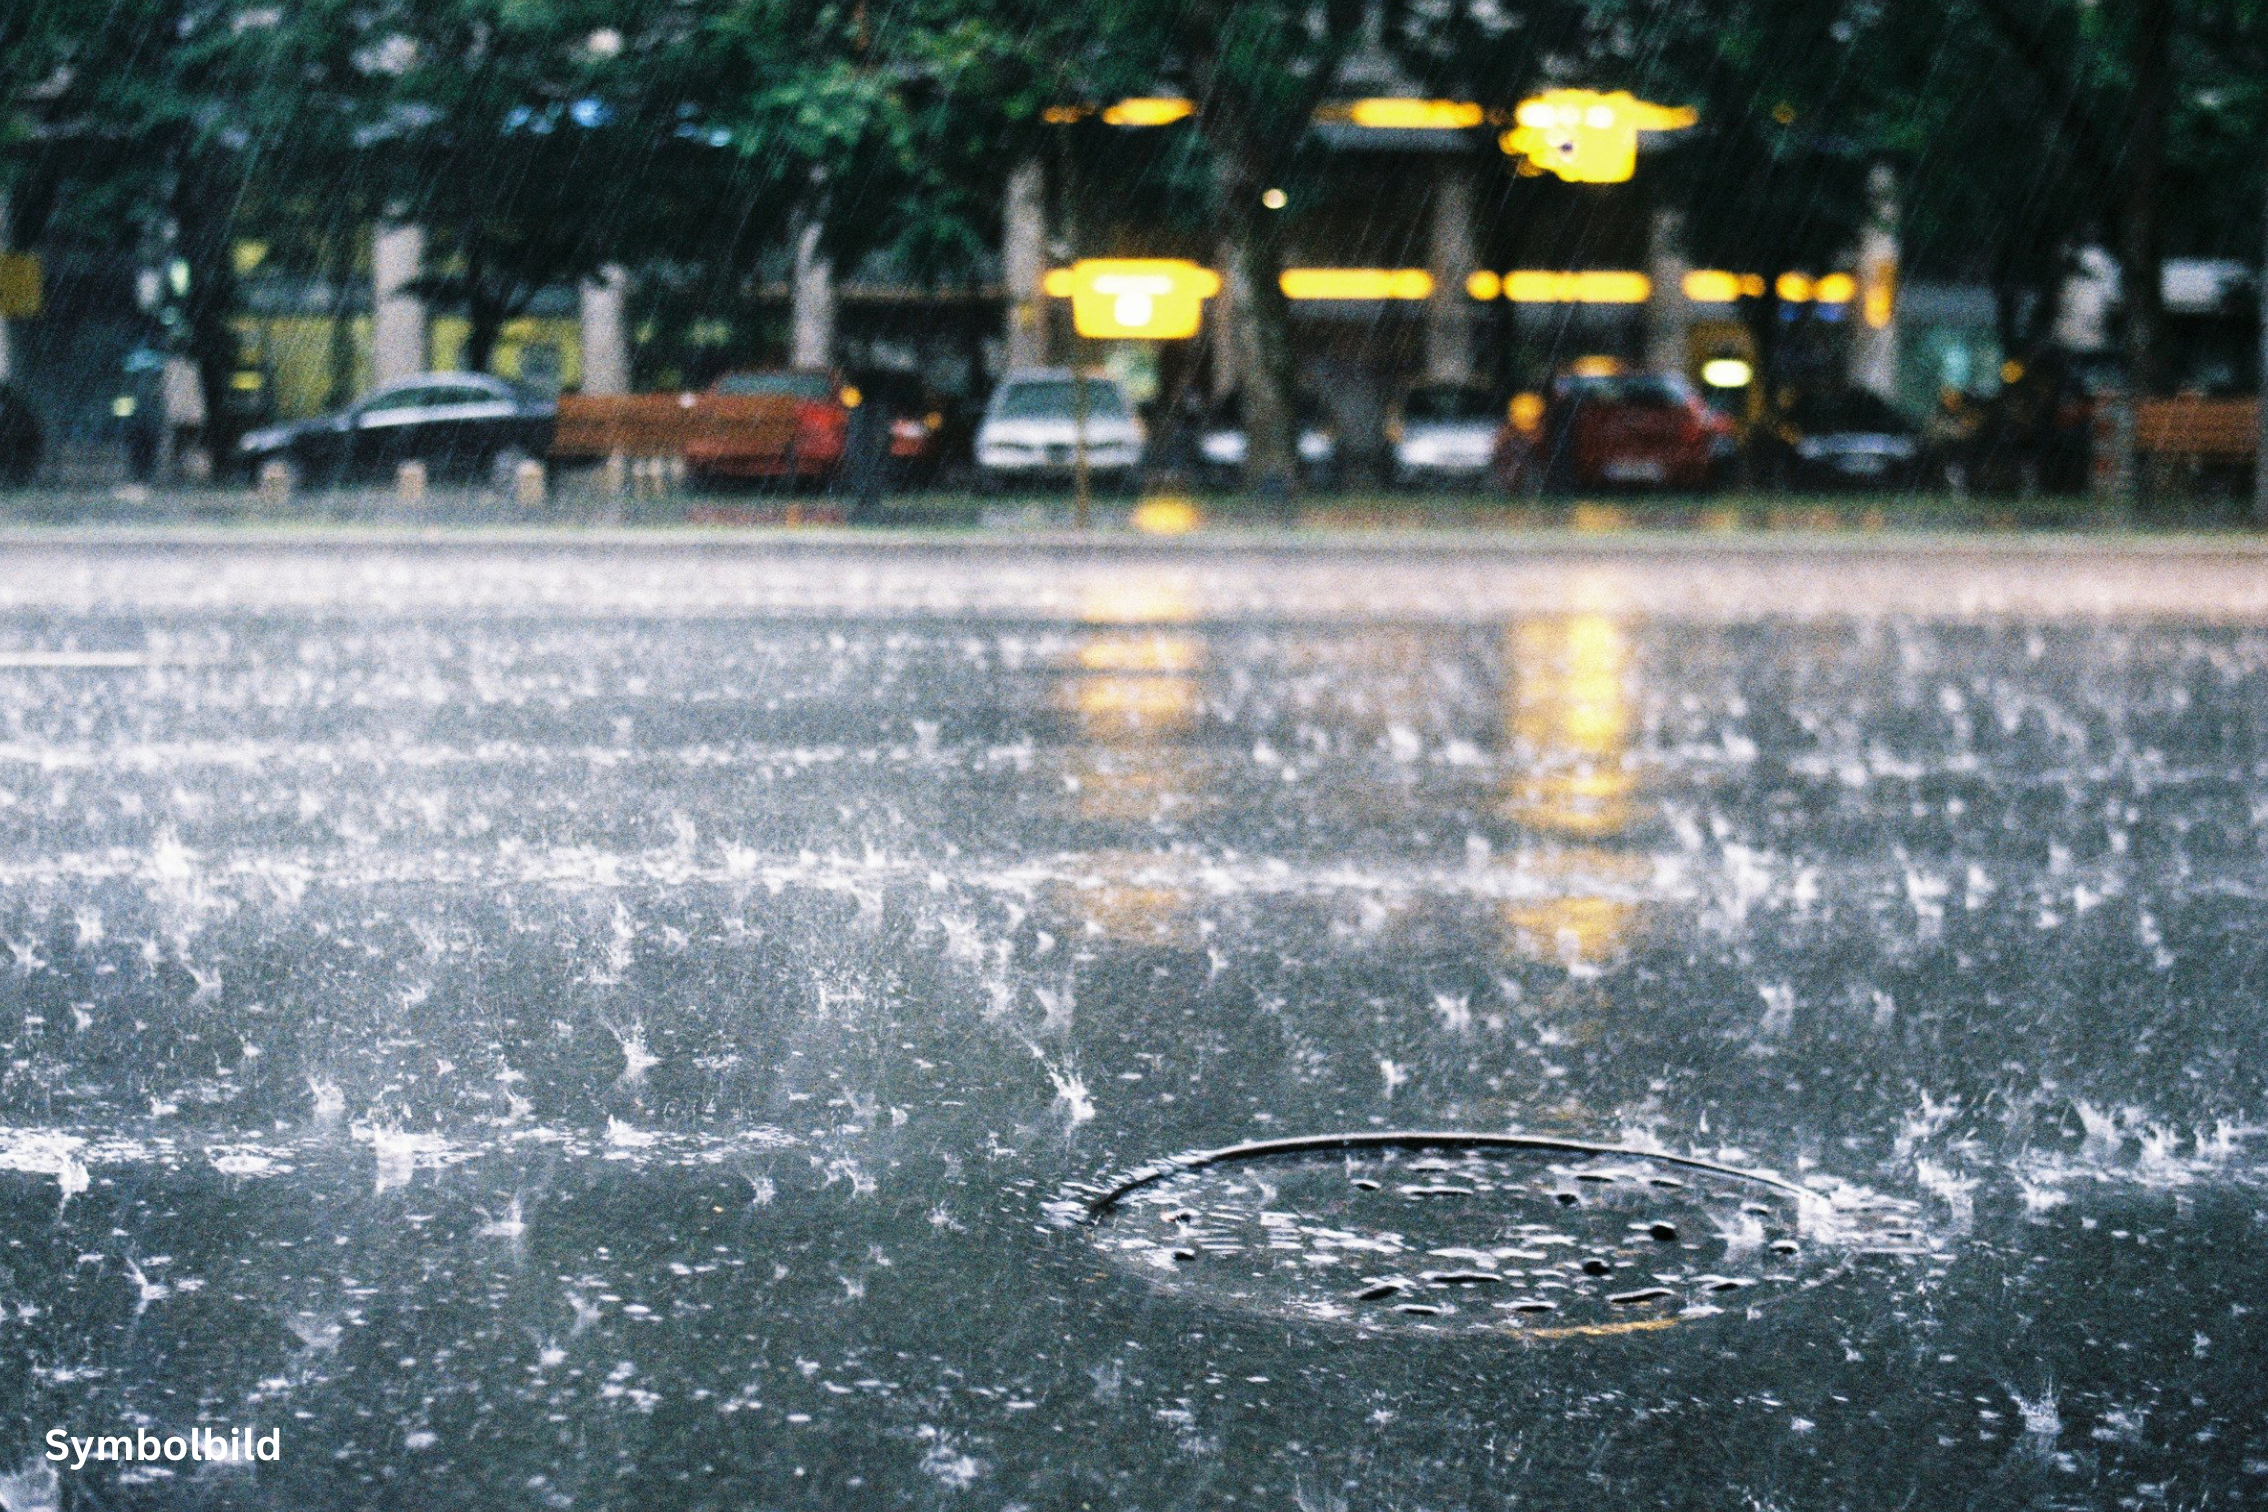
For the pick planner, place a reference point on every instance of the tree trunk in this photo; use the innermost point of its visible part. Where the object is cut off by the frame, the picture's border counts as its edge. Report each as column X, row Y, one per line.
column 204, row 239
column 1261, row 333
column 484, row 312
column 2260, row 390
column 2141, row 254
column 339, row 266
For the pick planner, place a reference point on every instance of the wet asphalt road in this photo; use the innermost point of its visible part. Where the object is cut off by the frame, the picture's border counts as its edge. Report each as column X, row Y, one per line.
column 625, row 1026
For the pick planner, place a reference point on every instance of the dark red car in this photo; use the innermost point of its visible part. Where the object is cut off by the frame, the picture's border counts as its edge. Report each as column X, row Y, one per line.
column 1618, row 430
column 790, row 424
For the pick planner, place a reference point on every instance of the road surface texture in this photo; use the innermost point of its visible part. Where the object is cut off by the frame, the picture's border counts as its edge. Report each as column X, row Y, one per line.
column 557, row 1023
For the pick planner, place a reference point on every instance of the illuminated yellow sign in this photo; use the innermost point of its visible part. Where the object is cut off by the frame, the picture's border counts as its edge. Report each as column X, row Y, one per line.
column 1357, row 283
column 1585, row 136
column 1143, row 298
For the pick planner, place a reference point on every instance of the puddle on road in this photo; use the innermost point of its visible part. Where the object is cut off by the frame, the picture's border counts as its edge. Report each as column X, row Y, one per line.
column 1538, row 1242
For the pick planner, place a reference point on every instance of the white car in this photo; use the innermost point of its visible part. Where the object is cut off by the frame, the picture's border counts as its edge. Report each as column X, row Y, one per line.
column 1029, row 433
column 1443, row 433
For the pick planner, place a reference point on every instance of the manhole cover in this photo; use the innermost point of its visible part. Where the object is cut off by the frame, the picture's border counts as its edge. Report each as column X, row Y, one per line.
column 1457, row 1233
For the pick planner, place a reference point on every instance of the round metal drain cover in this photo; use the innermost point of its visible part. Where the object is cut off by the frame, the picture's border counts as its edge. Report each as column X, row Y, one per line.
column 1459, row 1233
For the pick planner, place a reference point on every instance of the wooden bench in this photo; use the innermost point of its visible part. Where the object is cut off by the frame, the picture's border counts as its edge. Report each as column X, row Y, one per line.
column 2208, row 430
column 593, row 426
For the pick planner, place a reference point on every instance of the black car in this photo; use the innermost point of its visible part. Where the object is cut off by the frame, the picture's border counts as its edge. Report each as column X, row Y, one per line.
column 909, row 422
column 21, row 444
column 1222, row 444
column 460, row 425
column 1849, row 439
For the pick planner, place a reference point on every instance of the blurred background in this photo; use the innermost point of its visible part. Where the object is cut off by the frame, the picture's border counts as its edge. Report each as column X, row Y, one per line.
column 1988, row 248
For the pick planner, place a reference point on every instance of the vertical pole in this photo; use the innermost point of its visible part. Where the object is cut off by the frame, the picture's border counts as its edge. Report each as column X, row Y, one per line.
column 1874, row 333
column 1222, row 328
column 1669, row 315
column 812, row 317
column 7, row 342
column 397, row 322
column 1023, row 263
column 2260, row 411
column 1082, row 484
column 605, row 333
column 1452, row 260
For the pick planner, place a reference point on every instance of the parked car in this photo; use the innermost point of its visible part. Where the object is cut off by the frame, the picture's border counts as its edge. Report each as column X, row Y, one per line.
column 1222, row 444
column 1846, row 439
column 915, row 419
column 799, row 434
column 1619, row 429
column 1029, row 433
column 21, row 441
column 1442, row 433
column 462, row 425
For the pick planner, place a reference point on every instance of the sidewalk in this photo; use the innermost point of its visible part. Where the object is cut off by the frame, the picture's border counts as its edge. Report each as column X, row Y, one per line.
column 1458, row 521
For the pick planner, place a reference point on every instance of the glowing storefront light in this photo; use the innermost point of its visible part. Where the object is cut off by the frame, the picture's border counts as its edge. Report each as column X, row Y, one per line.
column 1148, row 111
column 1408, row 115
column 1712, row 286
column 1592, row 286
column 1716, row 286
column 1357, row 283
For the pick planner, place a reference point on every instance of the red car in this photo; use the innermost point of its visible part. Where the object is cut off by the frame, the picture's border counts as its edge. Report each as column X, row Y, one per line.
column 791, row 424
column 1618, row 430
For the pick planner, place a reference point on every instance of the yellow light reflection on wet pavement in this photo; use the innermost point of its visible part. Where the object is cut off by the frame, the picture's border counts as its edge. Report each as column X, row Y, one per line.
column 1166, row 515
column 1569, row 723
column 1133, row 689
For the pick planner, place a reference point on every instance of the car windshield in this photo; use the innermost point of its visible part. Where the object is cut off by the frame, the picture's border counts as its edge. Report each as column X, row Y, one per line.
column 1849, row 412
column 1637, row 390
column 899, row 392
column 1446, row 405
column 782, row 385
column 1056, row 399
column 1307, row 412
